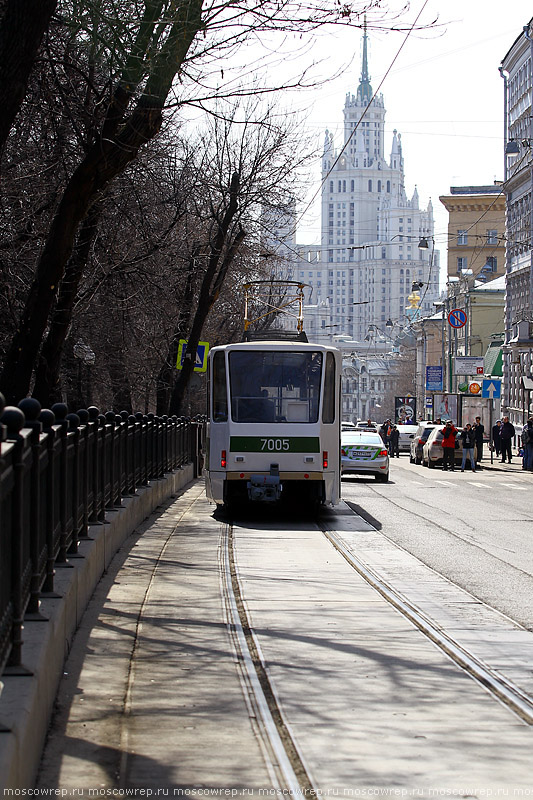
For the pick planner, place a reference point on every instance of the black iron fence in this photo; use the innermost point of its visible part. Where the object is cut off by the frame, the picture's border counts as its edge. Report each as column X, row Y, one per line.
column 60, row 473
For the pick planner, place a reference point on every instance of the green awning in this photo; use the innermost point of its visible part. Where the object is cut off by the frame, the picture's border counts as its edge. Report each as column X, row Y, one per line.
column 493, row 361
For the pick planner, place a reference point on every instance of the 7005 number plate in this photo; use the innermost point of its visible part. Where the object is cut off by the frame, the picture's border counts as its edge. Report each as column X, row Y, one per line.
column 274, row 444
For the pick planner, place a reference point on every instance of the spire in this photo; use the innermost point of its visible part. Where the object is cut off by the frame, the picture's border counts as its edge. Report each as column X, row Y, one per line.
column 364, row 91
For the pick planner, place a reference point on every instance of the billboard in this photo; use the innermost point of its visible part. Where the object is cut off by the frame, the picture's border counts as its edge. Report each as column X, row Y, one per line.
column 405, row 409
column 445, row 407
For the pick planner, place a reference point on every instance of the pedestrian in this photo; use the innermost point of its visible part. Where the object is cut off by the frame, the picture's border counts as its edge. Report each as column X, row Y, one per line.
column 468, row 438
column 394, row 442
column 527, row 444
column 496, row 437
column 479, row 430
column 385, row 432
column 507, row 432
column 449, row 433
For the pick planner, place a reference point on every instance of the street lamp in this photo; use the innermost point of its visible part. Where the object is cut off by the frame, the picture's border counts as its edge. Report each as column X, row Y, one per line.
column 85, row 355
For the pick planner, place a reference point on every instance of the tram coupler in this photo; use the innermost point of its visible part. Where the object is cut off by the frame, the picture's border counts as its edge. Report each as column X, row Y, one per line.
column 265, row 488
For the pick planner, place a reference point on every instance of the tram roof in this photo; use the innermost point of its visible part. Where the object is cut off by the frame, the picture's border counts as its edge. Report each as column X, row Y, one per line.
column 291, row 346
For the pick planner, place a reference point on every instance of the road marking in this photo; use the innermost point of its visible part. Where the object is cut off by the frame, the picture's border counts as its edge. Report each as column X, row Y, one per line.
column 515, row 486
column 481, row 485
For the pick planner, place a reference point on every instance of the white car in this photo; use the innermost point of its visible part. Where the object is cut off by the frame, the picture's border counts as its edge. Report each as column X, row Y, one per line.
column 363, row 453
column 407, row 434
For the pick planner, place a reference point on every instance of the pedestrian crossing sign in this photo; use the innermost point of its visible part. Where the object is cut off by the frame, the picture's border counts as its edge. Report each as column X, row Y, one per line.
column 200, row 362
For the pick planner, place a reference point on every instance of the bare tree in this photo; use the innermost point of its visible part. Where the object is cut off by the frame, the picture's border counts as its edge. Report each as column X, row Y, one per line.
column 22, row 26
column 136, row 61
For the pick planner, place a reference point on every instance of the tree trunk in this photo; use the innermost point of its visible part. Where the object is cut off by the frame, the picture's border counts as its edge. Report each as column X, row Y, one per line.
column 209, row 290
column 21, row 31
column 47, row 387
column 108, row 157
column 167, row 373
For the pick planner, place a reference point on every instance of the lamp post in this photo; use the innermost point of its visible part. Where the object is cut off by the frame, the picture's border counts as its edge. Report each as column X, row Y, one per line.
column 86, row 356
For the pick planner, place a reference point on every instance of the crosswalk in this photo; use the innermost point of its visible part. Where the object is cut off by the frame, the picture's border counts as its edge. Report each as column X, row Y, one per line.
column 446, row 482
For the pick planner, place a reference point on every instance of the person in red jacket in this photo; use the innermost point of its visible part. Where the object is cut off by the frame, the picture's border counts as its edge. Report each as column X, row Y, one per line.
column 449, row 432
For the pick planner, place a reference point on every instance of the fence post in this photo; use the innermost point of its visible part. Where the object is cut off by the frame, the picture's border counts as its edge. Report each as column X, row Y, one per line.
column 31, row 409
column 60, row 410
column 83, row 416
column 13, row 418
column 47, row 418
column 74, row 427
column 94, row 477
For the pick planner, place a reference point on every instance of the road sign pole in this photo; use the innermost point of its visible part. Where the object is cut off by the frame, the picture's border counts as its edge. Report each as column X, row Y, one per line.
column 491, row 416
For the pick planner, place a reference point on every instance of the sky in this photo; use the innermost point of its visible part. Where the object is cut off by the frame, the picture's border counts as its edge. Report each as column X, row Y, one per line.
column 443, row 93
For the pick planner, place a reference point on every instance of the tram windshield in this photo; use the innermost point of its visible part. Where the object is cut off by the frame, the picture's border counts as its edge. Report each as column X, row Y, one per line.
column 274, row 385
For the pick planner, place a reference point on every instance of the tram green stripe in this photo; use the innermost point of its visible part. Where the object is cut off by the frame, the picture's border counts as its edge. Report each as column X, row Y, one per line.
column 274, row 444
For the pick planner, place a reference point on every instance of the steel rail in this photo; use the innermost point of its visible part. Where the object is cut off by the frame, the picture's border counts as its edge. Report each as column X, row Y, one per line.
column 287, row 761
column 498, row 685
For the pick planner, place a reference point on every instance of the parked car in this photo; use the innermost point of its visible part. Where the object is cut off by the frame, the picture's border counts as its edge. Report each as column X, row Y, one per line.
column 407, row 433
column 432, row 449
column 363, row 453
column 419, row 440
column 347, row 426
column 373, row 426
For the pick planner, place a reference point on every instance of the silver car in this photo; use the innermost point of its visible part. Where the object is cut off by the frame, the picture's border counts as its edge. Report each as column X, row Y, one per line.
column 363, row 453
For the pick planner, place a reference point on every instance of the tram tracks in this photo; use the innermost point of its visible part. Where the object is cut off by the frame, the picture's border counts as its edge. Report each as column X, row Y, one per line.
column 285, row 758
column 281, row 753
column 494, row 682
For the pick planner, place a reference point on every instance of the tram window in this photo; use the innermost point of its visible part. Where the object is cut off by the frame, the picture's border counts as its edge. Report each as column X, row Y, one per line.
column 220, row 399
column 328, row 406
column 275, row 386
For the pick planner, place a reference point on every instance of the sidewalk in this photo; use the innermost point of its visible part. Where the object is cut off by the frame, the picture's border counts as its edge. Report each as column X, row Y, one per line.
column 514, row 466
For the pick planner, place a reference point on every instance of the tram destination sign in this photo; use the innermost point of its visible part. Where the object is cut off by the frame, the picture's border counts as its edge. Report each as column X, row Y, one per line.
column 274, row 444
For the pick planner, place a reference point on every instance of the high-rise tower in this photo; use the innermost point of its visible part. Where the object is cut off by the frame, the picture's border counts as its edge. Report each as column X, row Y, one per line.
column 370, row 231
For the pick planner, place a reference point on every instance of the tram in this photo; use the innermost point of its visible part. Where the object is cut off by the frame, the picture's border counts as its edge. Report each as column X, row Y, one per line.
column 273, row 432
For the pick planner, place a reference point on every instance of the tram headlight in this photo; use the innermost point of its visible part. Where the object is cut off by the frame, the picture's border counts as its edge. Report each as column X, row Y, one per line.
column 324, row 459
column 223, row 460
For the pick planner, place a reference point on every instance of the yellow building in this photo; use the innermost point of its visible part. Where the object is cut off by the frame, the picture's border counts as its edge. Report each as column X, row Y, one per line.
column 476, row 231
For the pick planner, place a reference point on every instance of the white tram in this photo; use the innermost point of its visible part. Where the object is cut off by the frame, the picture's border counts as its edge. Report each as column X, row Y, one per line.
column 273, row 422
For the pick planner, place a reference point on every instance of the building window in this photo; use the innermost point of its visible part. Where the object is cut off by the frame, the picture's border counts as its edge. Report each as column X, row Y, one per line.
column 492, row 237
column 462, row 237
column 492, row 262
column 462, row 263
column 369, row 186
column 388, row 187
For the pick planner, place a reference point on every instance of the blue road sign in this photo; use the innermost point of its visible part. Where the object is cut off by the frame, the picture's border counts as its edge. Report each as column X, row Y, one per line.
column 200, row 362
column 457, row 318
column 434, row 379
column 491, row 388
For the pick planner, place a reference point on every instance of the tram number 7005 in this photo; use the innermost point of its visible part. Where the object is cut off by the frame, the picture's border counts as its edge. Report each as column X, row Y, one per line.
column 275, row 445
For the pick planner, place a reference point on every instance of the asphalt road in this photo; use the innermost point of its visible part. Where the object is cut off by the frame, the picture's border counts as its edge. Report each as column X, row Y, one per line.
column 154, row 695
column 475, row 529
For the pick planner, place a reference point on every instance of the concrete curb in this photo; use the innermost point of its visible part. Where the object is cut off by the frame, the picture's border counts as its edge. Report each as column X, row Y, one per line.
column 26, row 702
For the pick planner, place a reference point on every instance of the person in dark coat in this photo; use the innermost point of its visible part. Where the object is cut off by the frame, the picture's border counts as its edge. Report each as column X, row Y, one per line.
column 496, row 437
column 507, row 432
column 385, row 432
column 468, row 438
column 527, row 445
column 394, row 442
column 479, row 430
